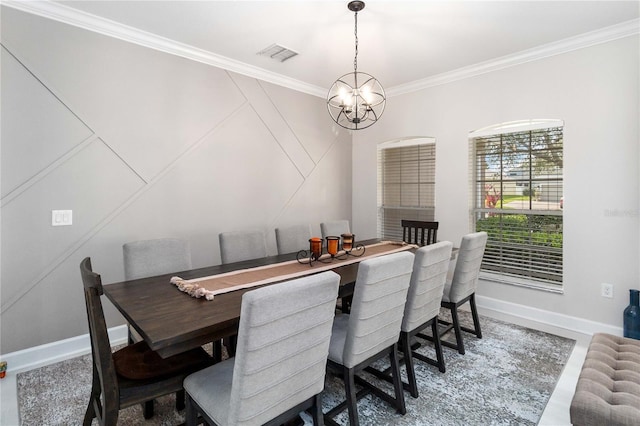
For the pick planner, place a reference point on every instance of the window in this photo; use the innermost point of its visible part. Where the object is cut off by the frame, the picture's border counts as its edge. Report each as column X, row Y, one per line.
column 406, row 184
column 518, row 200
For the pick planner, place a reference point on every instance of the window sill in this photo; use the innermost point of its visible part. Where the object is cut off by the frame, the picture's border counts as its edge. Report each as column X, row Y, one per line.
column 519, row 282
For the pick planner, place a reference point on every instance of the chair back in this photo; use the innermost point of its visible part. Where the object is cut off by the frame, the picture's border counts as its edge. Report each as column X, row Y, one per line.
column 155, row 257
column 241, row 245
column 467, row 270
column 334, row 228
column 103, row 366
column 419, row 232
column 291, row 239
column 377, row 307
column 429, row 274
column 283, row 344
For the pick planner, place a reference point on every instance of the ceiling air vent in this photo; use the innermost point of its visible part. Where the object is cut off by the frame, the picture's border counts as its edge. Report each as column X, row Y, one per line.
column 277, row 52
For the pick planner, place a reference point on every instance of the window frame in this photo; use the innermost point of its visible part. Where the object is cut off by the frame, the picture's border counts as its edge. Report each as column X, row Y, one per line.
column 479, row 208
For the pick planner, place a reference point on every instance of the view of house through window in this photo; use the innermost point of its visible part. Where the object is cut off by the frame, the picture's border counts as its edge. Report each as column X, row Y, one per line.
column 406, row 184
column 517, row 171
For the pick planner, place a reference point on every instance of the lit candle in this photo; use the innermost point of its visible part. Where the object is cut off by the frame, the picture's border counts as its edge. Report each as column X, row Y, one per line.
column 332, row 245
column 315, row 245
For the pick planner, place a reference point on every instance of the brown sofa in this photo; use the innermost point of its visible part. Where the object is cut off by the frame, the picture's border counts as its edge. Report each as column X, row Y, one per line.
column 608, row 389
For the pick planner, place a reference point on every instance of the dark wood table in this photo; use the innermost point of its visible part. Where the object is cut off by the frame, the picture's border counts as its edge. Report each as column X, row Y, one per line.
column 172, row 322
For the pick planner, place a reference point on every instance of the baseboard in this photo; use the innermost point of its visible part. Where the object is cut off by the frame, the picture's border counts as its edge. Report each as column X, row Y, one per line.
column 50, row 353
column 496, row 308
column 39, row 356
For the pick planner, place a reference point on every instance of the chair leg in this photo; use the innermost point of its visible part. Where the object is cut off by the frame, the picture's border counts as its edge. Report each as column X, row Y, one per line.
column 316, row 411
column 147, row 409
column 231, row 342
column 346, row 304
column 476, row 319
column 217, row 351
column 437, row 345
column 191, row 414
column 397, row 380
column 90, row 414
column 405, row 347
column 180, row 405
column 352, row 400
column 456, row 329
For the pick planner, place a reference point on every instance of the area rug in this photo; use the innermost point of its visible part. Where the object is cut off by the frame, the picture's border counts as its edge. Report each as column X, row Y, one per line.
column 505, row 378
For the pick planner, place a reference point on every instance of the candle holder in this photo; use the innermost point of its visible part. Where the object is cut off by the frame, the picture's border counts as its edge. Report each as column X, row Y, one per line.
column 333, row 244
column 313, row 254
column 350, row 248
column 334, row 251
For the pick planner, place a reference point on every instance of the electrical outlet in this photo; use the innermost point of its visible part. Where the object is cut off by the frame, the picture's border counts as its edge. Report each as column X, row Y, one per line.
column 607, row 290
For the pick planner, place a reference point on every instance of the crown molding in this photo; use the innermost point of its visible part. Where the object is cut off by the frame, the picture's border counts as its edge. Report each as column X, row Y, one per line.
column 603, row 35
column 68, row 15
column 71, row 16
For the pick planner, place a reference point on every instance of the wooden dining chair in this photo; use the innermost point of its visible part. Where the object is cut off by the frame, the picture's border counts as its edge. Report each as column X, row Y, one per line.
column 241, row 245
column 291, row 239
column 280, row 362
column 419, row 232
column 370, row 331
column 462, row 288
column 134, row 374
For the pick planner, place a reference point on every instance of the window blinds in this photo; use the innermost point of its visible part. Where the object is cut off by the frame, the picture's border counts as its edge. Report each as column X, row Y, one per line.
column 518, row 190
column 406, row 187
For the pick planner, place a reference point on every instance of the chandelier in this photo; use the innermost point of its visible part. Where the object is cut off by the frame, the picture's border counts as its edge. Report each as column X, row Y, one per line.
column 356, row 100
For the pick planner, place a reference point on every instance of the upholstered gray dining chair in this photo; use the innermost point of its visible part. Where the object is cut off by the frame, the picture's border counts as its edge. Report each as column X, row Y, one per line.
column 334, row 228
column 291, row 239
column 241, row 245
column 423, row 305
column 462, row 287
column 370, row 331
column 134, row 374
column 280, row 362
column 429, row 274
column 148, row 258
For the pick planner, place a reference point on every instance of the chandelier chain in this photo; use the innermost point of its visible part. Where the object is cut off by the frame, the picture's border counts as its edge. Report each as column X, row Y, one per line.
column 355, row 58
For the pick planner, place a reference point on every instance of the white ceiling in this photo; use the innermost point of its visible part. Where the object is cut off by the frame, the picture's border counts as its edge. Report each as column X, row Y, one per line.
column 399, row 41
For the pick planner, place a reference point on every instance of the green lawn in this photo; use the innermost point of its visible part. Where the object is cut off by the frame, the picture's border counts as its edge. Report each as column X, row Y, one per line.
column 509, row 198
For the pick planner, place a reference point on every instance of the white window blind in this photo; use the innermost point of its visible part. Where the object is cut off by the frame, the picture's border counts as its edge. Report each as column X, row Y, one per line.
column 406, row 185
column 518, row 201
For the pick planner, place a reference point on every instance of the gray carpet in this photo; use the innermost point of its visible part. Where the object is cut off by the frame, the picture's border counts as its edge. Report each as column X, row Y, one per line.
column 505, row 378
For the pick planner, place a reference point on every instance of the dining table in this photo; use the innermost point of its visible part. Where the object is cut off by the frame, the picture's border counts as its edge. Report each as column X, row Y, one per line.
column 172, row 322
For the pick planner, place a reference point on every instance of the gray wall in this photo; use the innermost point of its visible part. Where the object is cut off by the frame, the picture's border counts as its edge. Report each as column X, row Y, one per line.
column 596, row 92
column 141, row 144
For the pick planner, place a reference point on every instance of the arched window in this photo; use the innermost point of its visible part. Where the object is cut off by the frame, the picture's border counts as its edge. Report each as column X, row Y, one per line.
column 406, row 184
column 517, row 178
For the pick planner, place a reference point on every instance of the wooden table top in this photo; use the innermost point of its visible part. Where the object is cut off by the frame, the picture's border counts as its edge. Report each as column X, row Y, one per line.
column 172, row 322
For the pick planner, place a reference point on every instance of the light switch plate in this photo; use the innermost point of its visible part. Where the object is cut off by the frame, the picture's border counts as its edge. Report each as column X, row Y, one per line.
column 61, row 217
